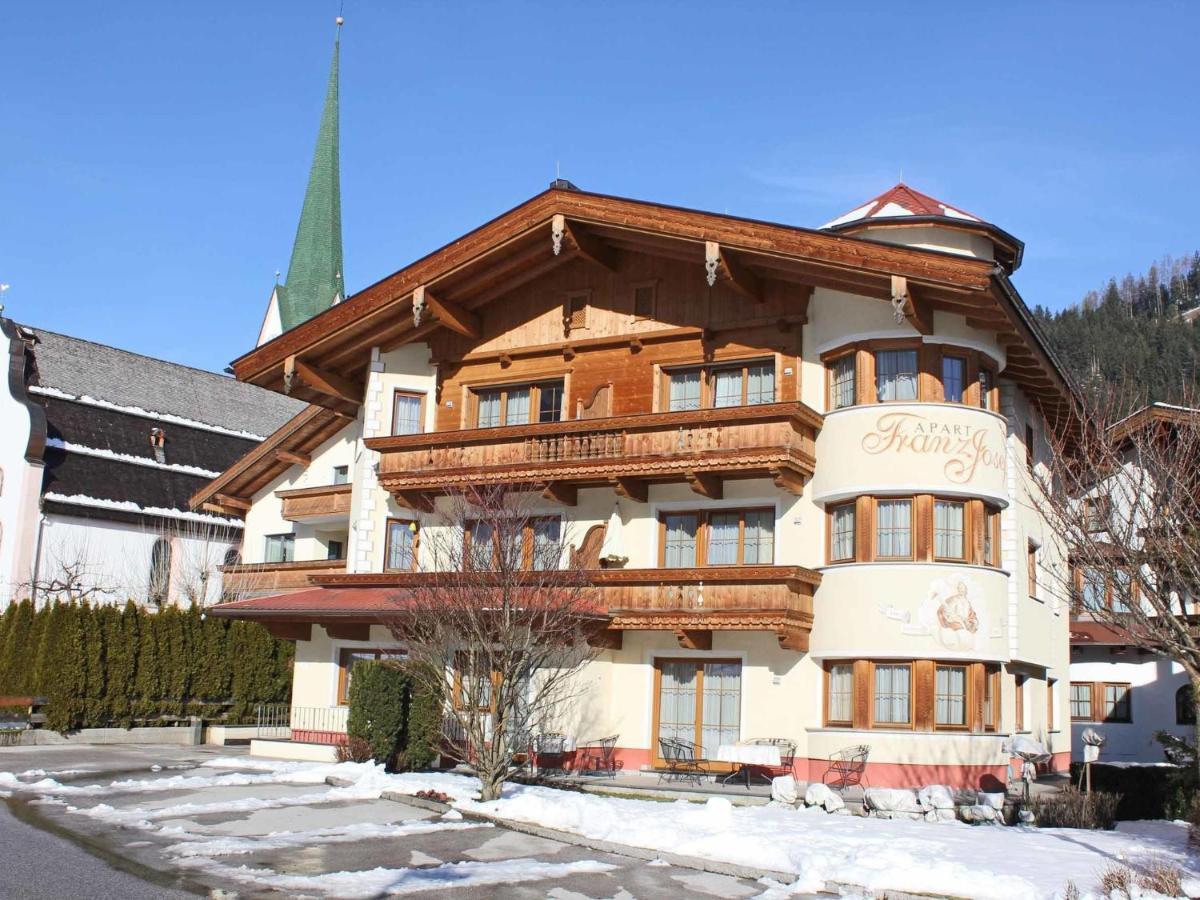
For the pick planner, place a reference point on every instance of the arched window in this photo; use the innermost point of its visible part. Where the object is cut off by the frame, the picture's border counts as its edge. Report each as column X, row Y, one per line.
column 1185, row 708
column 160, row 571
column 233, row 557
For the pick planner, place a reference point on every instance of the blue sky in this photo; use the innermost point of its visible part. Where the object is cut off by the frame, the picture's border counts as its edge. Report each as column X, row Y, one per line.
column 153, row 156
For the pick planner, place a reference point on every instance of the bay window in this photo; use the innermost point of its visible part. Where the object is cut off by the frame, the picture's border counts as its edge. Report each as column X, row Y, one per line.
column 954, row 378
column 893, row 529
column 949, row 529
column 921, row 695
column 893, row 694
column 842, row 532
column 950, row 696
column 895, row 375
column 842, row 382
column 897, row 370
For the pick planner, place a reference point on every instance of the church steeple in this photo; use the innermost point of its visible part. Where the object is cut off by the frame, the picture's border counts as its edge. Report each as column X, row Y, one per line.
column 315, row 280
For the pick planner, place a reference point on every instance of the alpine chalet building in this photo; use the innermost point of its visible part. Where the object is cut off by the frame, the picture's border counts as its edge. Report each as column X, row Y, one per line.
column 806, row 455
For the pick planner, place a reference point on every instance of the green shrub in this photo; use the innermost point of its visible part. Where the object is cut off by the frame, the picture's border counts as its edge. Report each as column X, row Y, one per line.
column 379, row 699
column 423, row 736
column 1071, row 808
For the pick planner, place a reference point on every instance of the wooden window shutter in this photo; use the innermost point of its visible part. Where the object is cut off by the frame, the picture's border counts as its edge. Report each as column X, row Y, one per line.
column 576, row 313
column 923, row 694
column 864, row 693
column 929, row 359
column 978, row 675
column 923, row 539
column 977, row 515
column 864, row 525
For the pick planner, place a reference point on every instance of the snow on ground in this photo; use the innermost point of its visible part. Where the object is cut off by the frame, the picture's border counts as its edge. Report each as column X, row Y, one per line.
column 814, row 847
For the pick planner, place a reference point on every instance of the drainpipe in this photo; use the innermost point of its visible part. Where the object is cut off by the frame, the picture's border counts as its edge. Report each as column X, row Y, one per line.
column 37, row 559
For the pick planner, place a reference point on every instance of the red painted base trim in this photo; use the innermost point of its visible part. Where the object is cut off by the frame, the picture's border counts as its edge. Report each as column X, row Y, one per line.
column 912, row 775
column 319, row 737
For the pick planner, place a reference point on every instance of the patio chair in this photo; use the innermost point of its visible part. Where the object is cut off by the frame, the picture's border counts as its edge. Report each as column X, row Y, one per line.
column 787, row 756
column 847, row 767
column 597, row 756
column 683, row 763
column 550, row 749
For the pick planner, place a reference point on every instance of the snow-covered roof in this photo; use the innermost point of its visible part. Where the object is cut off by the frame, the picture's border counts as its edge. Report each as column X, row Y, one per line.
column 898, row 201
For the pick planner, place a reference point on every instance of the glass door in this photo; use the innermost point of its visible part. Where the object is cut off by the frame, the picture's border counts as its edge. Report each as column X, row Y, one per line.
column 699, row 701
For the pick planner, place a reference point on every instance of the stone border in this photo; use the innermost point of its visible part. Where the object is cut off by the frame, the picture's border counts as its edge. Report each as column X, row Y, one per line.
column 679, row 860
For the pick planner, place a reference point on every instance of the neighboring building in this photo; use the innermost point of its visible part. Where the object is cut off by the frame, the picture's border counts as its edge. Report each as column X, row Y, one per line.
column 100, row 450
column 819, row 444
column 1125, row 693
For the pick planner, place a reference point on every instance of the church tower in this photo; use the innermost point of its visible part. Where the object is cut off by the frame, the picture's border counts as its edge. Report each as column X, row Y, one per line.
column 315, row 280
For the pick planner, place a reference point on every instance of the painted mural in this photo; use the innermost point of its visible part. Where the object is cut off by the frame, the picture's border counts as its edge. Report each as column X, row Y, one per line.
column 953, row 613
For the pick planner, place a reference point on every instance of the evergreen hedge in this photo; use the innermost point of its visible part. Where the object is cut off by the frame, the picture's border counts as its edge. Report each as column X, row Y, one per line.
column 393, row 715
column 103, row 666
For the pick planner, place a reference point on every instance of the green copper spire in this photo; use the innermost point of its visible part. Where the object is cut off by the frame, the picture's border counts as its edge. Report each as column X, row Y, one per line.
column 315, row 280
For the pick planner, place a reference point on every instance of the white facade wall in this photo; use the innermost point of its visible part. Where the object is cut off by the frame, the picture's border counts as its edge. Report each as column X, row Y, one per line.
column 20, row 487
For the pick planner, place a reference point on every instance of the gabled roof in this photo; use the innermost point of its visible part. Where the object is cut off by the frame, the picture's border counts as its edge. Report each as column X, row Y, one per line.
column 901, row 200
column 903, row 206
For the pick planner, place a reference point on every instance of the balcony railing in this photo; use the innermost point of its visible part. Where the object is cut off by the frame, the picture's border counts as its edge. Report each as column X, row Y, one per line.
column 259, row 579
column 312, row 504
column 700, row 446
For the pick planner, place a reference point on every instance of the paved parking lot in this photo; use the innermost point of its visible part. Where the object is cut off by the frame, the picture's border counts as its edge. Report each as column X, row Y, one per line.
column 191, row 830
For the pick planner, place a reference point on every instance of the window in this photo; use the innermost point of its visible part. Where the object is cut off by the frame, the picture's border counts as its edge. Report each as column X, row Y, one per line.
column 991, row 698
column 280, row 548
column 895, row 375
column 408, row 412
column 160, row 570
column 400, row 554
column 841, row 532
column 699, row 701
column 949, row 529
column 950, row 696
column 987, row 382
column 531, row 544
column 1123, row 590
column 1097, row 513
column 991, row 531
column 893, row 694
column 519, row 404
column 474, row 682
column 1029, row 440
column 1019, row 716
column 954, row 378
column 726, row 537
column 1031, row 568
column 727, row 385
column 1091, row 589
column 1081, row 701
column 341, row 474
column 1185, row 707
column 644, row 297
column 1051, row 684
column 893, row 529
column 348, row 656
column 1116, row 703
column 744, row 385
column 842, row 379
column 684, row 390
column 839, row 698
column 335, row 549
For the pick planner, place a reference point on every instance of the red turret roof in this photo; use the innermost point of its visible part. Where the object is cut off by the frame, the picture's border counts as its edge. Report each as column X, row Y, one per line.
column 902, row 200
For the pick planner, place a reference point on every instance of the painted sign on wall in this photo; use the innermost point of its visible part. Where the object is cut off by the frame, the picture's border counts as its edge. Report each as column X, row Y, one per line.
column 966, row 449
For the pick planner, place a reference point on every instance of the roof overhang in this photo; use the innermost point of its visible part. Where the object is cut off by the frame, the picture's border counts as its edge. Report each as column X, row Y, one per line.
column 1009, row 250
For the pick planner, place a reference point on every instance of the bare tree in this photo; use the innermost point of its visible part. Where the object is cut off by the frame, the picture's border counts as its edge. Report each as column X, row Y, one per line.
column 497, row 624
column 1127, row 503
column 200, row 549
column 69, row 571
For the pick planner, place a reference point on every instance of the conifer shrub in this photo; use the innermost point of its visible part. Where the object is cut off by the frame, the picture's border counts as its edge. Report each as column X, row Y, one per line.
column 379, row 700
column 423, row 734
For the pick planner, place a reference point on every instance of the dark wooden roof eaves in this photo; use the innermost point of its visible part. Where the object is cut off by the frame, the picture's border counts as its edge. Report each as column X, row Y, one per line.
column 17, row 372
column 82, row 367
column 108, row 479
column 259, row 466
column 125, row 433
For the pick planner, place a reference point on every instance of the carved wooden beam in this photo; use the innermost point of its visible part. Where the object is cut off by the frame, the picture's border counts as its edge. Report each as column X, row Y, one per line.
column 908, row 306
column 290, row 631
column 694, row 639
column 718, row 261
column 591, row 247
column 561, row 492
column 631, row 489
column 607, row 639
column 804, row 294
column 329, row 383
column 292, row 458
column 793, row 637
column 232, row 502
column 346, row 631
column 705, row 484
column 421, row 500
column 789, row 480
column 447, row 312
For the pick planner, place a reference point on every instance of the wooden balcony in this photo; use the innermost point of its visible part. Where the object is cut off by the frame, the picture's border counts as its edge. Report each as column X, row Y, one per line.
column 701, row 447
column 323, row 503
column 692, row 603
column 260, row 579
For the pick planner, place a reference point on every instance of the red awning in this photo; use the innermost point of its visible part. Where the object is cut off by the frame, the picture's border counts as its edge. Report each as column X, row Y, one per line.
column 1097, row 634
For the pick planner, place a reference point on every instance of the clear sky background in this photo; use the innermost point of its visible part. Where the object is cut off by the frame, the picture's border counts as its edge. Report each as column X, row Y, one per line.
column 153, row 156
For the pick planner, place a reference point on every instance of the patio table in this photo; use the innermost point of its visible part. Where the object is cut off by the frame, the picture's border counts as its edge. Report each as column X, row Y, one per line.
column 748, row 757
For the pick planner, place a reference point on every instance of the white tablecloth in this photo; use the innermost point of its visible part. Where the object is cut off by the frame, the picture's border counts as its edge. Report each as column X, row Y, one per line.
column 749, row 754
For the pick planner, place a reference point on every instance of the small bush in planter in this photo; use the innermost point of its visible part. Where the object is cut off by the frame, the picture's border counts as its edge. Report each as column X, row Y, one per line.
column 1071, row 808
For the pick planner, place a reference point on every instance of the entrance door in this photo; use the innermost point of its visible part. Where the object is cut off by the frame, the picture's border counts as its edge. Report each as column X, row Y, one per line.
column 698, row 700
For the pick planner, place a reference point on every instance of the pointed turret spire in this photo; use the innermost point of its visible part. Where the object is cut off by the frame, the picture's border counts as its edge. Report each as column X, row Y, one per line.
column 315, row 280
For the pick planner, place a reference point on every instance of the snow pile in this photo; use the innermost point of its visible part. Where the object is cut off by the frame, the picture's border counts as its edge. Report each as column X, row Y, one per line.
column 783, row 789
column 283, row 840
